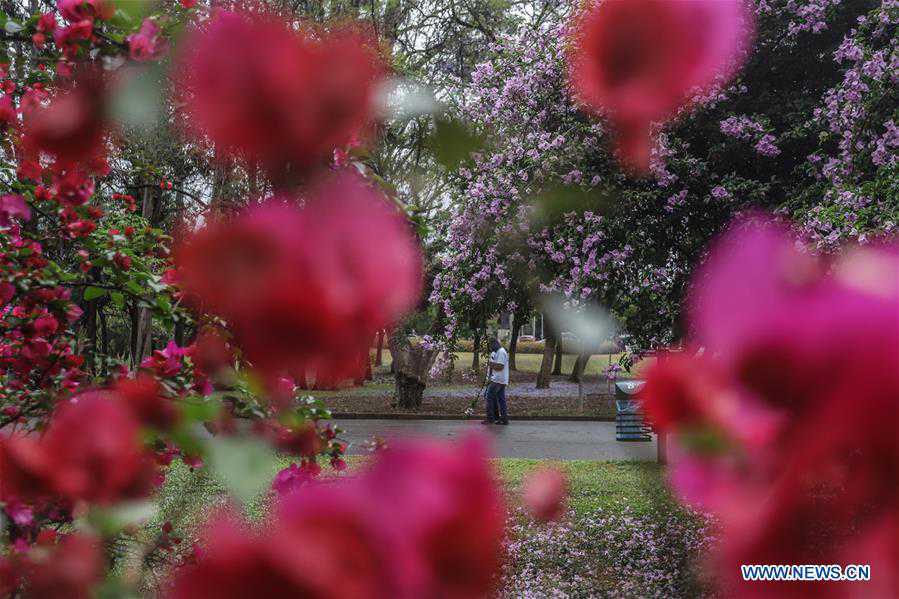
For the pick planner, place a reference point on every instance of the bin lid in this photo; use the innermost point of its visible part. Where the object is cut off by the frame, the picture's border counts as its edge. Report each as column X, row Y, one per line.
column 630, row 387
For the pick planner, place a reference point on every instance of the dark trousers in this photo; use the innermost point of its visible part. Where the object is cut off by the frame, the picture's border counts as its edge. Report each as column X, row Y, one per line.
column 496, row 402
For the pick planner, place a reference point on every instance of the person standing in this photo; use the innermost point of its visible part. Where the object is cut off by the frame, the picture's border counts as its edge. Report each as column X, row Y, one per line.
column 498, row 368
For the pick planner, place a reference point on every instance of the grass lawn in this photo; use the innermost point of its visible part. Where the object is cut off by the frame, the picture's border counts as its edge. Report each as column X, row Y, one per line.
column 186, row 496
column 624, row 536
column 531, row 362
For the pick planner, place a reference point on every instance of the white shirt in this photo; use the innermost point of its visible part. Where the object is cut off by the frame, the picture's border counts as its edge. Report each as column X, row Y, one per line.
column 500, row 356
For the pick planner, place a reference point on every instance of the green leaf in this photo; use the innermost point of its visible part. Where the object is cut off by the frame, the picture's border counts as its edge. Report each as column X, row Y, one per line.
column 111, row 520
column 453, row 142
column 244, row 466
column 164, row 304
column 92, row 293
column 199, row 410
column 133, row 10
column 118, row 298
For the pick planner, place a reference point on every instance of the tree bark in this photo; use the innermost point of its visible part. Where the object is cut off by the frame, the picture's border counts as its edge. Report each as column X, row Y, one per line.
column 549, row 350
column 513, row 341
column 577, row 371
column 379, row 355
column 142, row 318
column 90, row 337
column 476, row 351
column 557, row 364
column 411, row 365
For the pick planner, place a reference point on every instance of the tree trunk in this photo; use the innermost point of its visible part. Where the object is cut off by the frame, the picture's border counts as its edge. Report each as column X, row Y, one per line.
column 577, row 371
column 90, row 336
column 104, row 334
column 179, row 333
column 141, row 334
column 513, row 341
column 557, row 364
column 409, row 391
column 142, row 318
column 411, row 365
column 379, row 355
column 549, row 350
column 476, row 351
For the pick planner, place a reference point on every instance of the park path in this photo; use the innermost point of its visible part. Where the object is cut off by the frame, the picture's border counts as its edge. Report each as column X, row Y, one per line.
column 556, row 389
column 534, row 439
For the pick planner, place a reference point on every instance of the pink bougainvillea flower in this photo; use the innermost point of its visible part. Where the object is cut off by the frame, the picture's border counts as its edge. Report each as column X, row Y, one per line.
column 46, row 23
column 95, row 447
column 775, row 322
column 165, row 362
column 144, row 396
column 25, row 469
column 67, row 570
column 544, row 493
column 8, row 116
column 292, row 478
column 453, row 513
column 146, row 44
column 13, row 206
column 7, row 292
column 77, row 10
column 426, row 520
column 322, row 542
column 306, row 287
column 312, row 91
column 639, row 61
column 67, row 38
column 73, row 127
column 675, row 398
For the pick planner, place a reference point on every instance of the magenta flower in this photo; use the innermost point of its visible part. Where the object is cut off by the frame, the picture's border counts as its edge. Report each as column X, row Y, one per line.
column 640, row 61
column 146, row 44
column 778, row 429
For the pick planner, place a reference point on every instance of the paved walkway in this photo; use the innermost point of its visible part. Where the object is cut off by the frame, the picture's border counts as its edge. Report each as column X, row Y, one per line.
column 556, row 389
column 535, row 439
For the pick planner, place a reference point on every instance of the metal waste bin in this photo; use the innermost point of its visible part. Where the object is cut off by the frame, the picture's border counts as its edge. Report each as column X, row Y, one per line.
column 629, row 423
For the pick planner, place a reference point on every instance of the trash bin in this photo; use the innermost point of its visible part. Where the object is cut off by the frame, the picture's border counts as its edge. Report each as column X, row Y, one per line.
column 629, row 423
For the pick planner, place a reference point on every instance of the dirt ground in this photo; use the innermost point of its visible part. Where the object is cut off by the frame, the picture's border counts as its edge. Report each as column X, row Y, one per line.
column 457, row 397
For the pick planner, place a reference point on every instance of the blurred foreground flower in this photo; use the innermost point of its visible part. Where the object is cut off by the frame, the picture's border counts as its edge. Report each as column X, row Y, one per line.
column 544, row 493
column 91, row 451
column 786, row 427
column 73, row 126
column 640, row 61
column 306, row 288
column 284, row 99
column 425, row 520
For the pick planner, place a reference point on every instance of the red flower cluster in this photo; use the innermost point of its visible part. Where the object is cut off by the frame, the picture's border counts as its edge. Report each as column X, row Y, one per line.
column 279, row 97
column 67, row 570
column 640, row 61
column 73, row 127
column 306, row 288
column 80, row 14
column 92, row 451
column 781, row 430
column 146, row 44
column 426, row 520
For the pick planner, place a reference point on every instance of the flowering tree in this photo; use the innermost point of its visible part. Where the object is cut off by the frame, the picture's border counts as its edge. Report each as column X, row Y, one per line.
column 738, row 149
column 295, row 265
column 82, row 433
